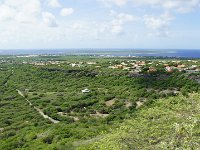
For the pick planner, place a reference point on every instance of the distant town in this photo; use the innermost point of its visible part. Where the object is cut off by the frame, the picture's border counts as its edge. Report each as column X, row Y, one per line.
column 131, row 64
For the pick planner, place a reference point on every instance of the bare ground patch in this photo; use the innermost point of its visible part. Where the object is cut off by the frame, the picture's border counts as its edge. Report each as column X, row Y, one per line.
column 65, row 114
column 110, row 102
column 128, row 104
column 98, row 114
column 140, row 102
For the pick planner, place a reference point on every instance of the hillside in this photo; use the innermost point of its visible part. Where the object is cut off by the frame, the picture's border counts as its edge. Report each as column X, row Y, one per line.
column 172, row 123
column 71, row 102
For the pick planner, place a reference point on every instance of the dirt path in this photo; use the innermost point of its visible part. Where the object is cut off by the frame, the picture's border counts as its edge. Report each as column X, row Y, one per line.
column 37, row 109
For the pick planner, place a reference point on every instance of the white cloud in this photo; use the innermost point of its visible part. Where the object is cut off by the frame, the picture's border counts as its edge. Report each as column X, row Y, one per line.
column 181, row 6
column 117, row 23
column 78, row 26
column 6, row 13
column 21, row 10
column 117, row 29
column 123, row 17
column 158, row 24
column 116, row 26
column 19, row 18
column 119, row 2
column 49, row 19
column 97, row 30
column 54, row 3
column 66, row 11
column 115, row 2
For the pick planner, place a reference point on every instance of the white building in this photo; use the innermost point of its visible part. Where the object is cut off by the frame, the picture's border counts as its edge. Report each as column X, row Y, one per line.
column 85, row 91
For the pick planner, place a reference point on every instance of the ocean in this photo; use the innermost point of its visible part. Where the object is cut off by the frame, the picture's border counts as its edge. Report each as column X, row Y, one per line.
column 186, row 53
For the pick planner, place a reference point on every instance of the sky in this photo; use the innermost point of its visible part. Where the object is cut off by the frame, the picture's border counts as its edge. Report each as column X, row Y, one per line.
column 49, row 24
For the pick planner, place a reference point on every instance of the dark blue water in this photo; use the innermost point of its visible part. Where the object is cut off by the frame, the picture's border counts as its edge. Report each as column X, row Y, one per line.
column 108, row 52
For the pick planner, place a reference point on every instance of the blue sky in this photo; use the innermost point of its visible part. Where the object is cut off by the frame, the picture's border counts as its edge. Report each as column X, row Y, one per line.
column 35, row 24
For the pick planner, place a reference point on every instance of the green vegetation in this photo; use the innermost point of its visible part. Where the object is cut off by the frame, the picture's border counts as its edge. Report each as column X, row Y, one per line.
column 171, row 123
column 42, row 105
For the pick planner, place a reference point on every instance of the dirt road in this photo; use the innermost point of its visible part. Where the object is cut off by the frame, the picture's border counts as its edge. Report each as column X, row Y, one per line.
column 37, row 109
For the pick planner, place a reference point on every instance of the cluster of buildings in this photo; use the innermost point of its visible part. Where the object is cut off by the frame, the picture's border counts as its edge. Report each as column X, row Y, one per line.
column 189, row 66
column 192, row 68
column 43, row 63
column 80, row 64
column 129, row 65
column 134, row 66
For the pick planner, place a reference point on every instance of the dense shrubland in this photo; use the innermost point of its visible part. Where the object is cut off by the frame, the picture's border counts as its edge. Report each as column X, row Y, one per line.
column 87, row 117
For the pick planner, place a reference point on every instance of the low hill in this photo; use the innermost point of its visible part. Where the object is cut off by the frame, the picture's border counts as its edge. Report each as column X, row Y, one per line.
column 172, row 123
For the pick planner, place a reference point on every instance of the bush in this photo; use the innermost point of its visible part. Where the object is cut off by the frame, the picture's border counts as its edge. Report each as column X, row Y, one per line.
column 48, row 139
